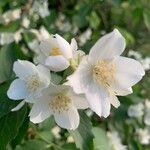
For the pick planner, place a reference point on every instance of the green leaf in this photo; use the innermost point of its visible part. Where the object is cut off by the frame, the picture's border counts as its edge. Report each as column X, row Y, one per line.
column 21, row 133
column 10, row 125
column 5, row 103
column 33, row 145
column 44, row 130
column 100, row 140
column 146, row 16
column 83, row 135
column 94, row 20
column 69, row 146
column 7, row 57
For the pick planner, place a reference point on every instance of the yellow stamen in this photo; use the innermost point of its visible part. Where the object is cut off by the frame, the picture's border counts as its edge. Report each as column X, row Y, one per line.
column 55, row 51
column 104, row 72
column 33, row 83
column 60, row 103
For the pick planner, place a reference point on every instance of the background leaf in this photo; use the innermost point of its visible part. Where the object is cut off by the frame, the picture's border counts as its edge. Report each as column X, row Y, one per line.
column 83, row 135
column 10, row 125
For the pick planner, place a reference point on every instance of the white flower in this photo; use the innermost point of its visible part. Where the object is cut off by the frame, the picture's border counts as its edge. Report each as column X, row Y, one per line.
column 146, row 63
column 115, row 141
column 103, row 74
column 25, row 22
column 85, row 36
column 56, row 52
column 11, row 15
column 136, row 111
column 135, row 54
column 7, row 38
column 41, row 8
column 60, row 101
column 30, row 82
column 56, row 132
column 41, row 34
column 147, row 112
column 143, row 135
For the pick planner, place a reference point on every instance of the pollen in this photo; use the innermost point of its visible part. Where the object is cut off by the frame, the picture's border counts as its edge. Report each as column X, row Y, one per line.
column 60, row 103
column 104, row 72
column 55, row 51
column 33, row 83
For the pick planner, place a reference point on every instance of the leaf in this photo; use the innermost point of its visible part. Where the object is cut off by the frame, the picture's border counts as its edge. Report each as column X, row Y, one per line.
column 21, row 133
column 44, row 130
column 83, row 135
column 5, row 103
column 10, row 125
column 33, row 145
column 146, row 16
column 7, row 57
column 69, row 146
column 100, row 140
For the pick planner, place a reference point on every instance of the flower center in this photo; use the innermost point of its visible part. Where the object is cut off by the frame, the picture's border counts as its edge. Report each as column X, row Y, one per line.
column 33, row 83
column 104, row 72
column 60, row 103
column 55, row 51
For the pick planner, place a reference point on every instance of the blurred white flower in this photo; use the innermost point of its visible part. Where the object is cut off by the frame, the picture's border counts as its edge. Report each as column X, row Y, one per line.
column 85, row 36
column 30, row 82
column 136, row 110
column 56, row 52
column 56, row 132
column 70, row 139
column 104, row 74
column 146, row 63
column 8, row 37
column 41, row 8
column 25, row 22
column 115, row 141
column 11, row 15
column 60, row 101
column 18, row 36
column 144, row 136
column 41, row 34
column 147, row 112
column 135, row 54
column 62, row 24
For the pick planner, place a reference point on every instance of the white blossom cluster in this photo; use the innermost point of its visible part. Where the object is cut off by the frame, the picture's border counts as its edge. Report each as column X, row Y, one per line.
column 37, row 9
column 94, row 82
column 141, row 111
column 144, row 61
column 115, row 141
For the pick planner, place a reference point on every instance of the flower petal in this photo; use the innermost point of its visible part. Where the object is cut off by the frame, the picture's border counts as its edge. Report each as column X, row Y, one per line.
column 64, row 46
column 114, row 101
column 80, row 101
column 57, row 63
column 81, row 78
column 39, row 112
column 24, row 68
column 128, row 72
column 68, row 120
column 44, row 74
column 74, row 45
column 47, row 45
column 19, row 106
column 17, row 90
column 110, row 45
column 98, row 98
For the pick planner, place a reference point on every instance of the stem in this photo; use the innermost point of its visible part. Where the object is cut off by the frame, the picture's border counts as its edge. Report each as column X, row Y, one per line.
column 50, row 143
